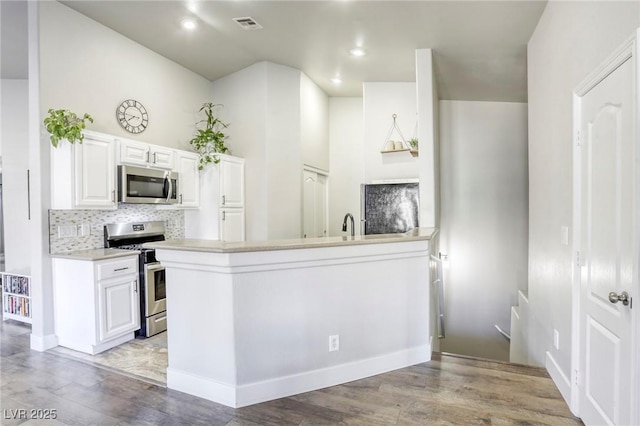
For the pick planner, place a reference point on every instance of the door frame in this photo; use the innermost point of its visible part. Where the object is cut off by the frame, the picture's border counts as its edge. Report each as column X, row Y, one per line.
column 628, row 50
column 318, row 171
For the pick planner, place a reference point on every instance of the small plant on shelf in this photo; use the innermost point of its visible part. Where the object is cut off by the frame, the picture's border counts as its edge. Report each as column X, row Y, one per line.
column 209, row 141
column 413, row 143
column 64, row 124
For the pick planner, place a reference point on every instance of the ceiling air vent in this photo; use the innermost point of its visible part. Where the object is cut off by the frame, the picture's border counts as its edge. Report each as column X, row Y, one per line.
column 247, row 23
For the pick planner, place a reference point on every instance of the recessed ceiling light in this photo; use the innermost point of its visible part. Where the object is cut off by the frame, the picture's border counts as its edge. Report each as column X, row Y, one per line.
column 336, row 80
column 188, row 24
column 357, row 51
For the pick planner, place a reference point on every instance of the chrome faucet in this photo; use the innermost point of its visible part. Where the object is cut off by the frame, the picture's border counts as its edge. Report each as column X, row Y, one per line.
column 344, row 224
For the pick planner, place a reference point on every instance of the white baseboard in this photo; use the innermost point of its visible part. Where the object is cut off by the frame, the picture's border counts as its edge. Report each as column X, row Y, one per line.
column 253, row 393
column 43, row 343
column 562, row 382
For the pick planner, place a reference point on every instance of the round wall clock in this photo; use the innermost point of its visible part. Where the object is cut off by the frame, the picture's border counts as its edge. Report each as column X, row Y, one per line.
column 132, row 116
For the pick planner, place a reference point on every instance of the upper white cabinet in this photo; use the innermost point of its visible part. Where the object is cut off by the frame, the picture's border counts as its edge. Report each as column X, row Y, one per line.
column 231, row 181
column 145, row 155
column 221, row 215
column 83, row 175
column 189, row 183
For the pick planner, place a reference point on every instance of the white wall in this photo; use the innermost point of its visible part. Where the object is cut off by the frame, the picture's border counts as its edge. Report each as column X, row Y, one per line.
column 381, row 101
column 428, row 138
column 571, row 39
column 346, row 160
column 484, row 222
column 15, row 162
column 87, row 67
column 244, row 96
column 314, row 124
column 284, row 153
column 262, row 103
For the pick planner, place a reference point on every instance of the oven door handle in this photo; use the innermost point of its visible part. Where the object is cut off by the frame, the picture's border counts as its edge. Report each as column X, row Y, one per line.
column 154, row 267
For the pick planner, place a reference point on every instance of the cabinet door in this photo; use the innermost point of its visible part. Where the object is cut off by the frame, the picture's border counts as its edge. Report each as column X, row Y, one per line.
column 161, row 158
column 231, row 183
column 119, row 307
column 189, row 191
column 134, row 153
column 95, row 174
column 232, row 224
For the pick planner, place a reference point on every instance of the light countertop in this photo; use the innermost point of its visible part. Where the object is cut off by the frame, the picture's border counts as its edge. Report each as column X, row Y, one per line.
column 95, row 254
column 215, row 246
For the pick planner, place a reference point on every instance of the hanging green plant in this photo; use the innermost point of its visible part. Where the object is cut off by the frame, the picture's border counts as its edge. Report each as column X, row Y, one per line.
column 413, row 143
column 64, row 124
column 209, row 141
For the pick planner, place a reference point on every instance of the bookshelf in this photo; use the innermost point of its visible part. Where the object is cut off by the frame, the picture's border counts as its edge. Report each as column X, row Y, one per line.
column 16, row 297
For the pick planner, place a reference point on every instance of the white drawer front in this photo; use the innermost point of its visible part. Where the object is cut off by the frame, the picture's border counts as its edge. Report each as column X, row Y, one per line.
column 117, row 268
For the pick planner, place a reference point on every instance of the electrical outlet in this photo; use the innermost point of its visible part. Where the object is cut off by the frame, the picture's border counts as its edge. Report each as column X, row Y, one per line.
column 556, row 339
column 334, row 343
column 67, row 231
column 86, row 229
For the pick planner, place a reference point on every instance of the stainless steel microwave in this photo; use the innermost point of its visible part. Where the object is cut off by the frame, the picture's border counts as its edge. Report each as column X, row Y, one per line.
column 147, row 186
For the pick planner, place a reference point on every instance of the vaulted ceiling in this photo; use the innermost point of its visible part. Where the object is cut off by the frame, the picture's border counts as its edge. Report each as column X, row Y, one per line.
column 479, row 46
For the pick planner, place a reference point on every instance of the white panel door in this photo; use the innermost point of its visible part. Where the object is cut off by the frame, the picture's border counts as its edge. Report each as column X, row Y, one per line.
column 308, row 203
column 321, row 206
column 607, row 255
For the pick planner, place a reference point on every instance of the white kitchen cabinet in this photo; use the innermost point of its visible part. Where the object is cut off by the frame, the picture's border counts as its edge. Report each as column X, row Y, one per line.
column 97, row 303
column 231, row 181
column 221, row 215
column 118, row 305
column 232, row 224
column 83, row 175
column 189, row 175
column 145, row 155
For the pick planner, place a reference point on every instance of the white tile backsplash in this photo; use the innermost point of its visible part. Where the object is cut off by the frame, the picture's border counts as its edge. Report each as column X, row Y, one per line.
column 84, row 229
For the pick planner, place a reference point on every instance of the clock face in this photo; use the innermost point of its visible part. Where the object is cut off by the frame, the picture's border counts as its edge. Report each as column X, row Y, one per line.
column 132, row 116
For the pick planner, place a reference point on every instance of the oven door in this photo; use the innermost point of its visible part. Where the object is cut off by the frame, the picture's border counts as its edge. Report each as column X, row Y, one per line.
column 155, row 289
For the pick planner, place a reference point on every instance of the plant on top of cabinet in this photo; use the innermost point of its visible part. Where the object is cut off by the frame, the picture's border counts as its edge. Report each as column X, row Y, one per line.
column 65, row 124
column 209, row 141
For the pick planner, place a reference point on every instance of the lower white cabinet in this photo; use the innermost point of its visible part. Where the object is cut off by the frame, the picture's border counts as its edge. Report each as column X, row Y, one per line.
column 97, row 303
column 232, row 224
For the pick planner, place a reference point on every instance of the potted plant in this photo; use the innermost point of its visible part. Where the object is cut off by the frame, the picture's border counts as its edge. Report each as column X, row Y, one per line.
column 209, row 141
column 65, row 124
column 413, row 143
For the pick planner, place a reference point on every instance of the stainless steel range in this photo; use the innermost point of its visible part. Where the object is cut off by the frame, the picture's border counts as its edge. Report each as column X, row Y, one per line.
column 153, row 302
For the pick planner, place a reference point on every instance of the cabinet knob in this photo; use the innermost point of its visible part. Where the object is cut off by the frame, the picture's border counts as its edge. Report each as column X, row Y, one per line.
column 224, row 215
column 224, row 200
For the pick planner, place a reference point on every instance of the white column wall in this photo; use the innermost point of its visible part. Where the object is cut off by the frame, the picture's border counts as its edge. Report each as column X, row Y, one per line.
column 347, row 162
column 571, row 39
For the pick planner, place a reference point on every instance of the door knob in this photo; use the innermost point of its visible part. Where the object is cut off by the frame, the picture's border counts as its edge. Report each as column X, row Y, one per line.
column 622, row 297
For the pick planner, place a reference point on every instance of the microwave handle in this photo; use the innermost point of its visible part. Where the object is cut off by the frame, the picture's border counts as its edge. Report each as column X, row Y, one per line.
column 167, row 177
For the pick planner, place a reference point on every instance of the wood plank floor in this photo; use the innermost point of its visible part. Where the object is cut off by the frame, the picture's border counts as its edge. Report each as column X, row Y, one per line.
column 449, row 390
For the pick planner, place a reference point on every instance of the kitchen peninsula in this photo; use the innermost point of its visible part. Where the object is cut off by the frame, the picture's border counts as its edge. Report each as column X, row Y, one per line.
column 253, row 321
